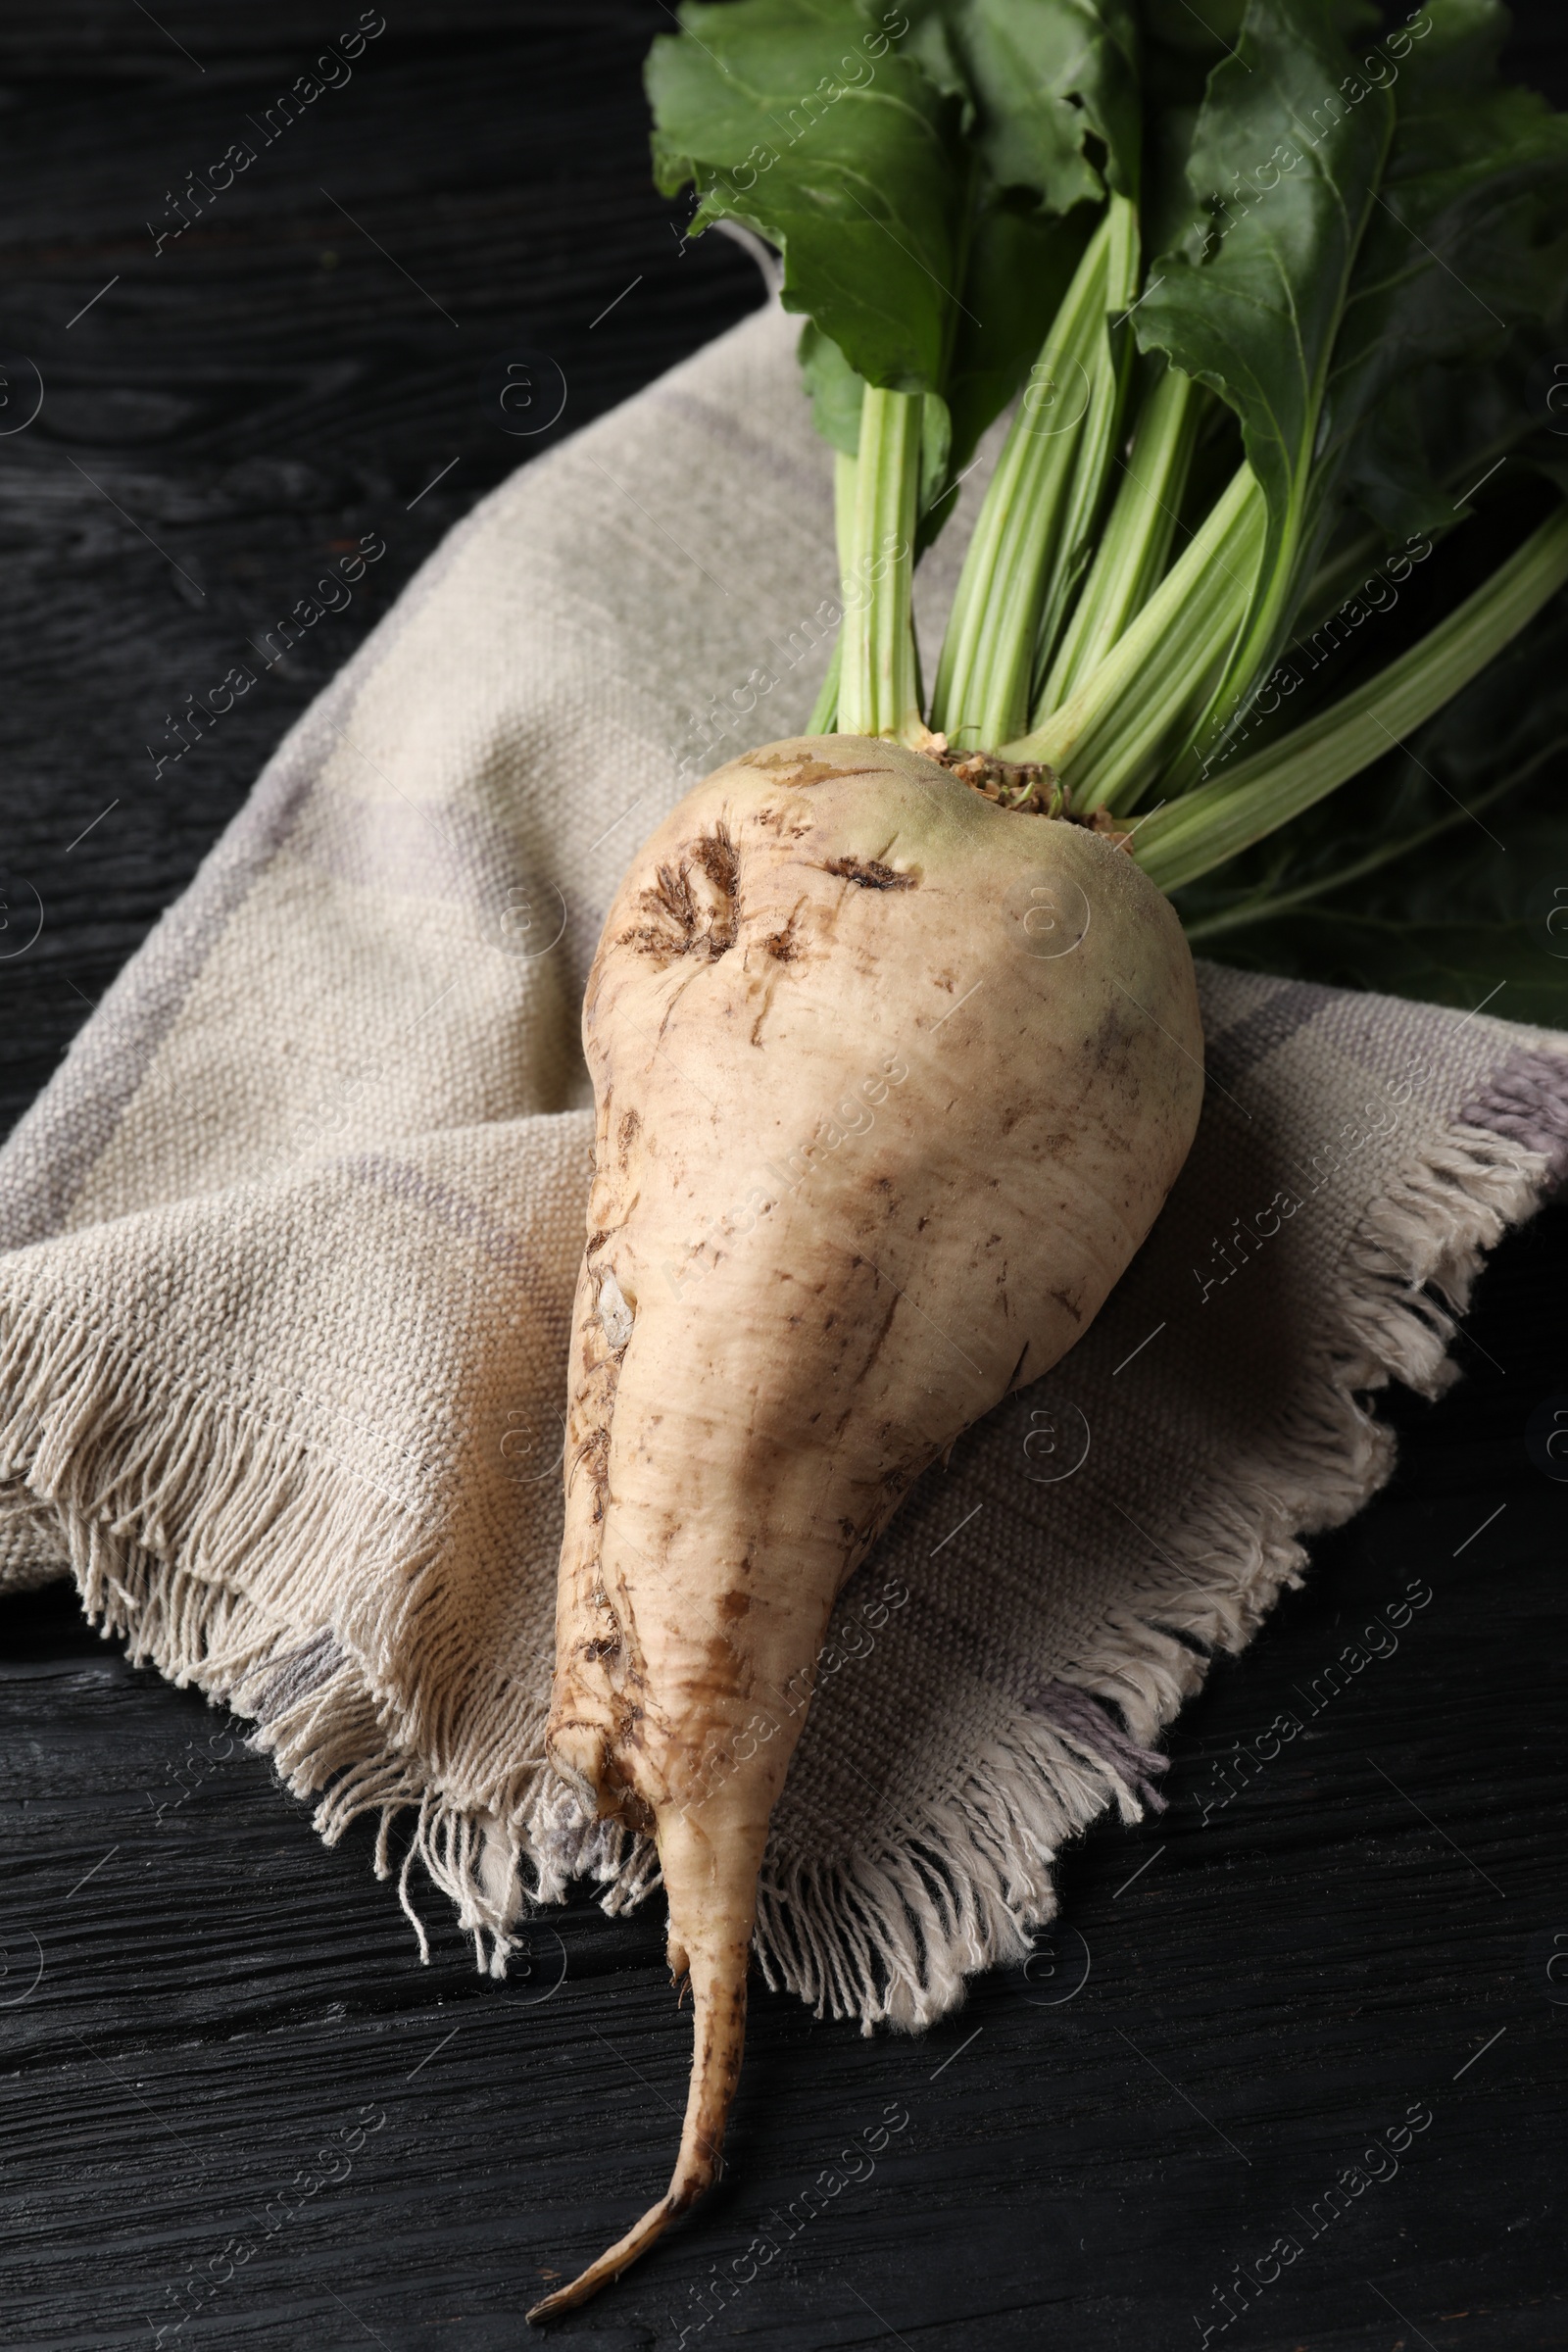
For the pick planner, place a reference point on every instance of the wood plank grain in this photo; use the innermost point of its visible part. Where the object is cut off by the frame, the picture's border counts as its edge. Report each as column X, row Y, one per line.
column 202, row 2011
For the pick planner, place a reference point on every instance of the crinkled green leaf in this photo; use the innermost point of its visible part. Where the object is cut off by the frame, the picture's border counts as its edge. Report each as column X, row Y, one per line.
column 1285, row 122
column 1467, row 244
column 1460, row 250
column 1038, row 73
column 1208, row 33
column 804, row 120
column 911, row 177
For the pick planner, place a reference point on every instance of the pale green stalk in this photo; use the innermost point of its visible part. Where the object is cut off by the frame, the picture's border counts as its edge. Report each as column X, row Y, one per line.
column 825, row 711
column 1262, row 905
column 879, row 690
column 988, row 656
column 846, row 474
column 1108, row 367
column 825, row 716
column 1101, row 742
column 1217, row 821
column 1135, row 545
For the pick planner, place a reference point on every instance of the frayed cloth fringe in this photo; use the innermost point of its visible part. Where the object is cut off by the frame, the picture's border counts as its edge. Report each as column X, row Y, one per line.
column 138, row 1481
column 890, row 1937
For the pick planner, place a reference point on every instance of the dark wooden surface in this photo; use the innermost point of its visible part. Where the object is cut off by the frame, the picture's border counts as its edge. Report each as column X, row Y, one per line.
column 197, row 1998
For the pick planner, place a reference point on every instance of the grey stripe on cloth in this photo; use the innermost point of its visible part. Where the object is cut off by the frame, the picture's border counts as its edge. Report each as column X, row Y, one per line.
column 1523, row 1099
column 287, row 1680
column 1229, row 1056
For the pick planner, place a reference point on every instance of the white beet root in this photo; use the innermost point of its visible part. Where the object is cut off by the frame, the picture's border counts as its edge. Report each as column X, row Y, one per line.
column 890, row 1083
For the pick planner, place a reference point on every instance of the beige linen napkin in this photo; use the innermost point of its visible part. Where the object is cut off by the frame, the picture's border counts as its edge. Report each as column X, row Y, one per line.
column 290, row 1244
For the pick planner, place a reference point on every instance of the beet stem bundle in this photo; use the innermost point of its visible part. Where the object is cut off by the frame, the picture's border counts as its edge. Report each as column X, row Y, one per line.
column 947, row 1025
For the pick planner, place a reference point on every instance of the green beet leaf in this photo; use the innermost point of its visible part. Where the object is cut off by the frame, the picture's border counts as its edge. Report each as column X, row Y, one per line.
column 805, row 121
column 1038, row 75
column 1288, row 151
column 1464, row 262
column 911, row 164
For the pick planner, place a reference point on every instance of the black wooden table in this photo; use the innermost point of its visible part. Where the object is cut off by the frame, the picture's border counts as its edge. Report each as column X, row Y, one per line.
column 1347, row 1960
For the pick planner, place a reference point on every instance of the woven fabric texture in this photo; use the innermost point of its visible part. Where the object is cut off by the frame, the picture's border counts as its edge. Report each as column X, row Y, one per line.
column 289, row 1248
